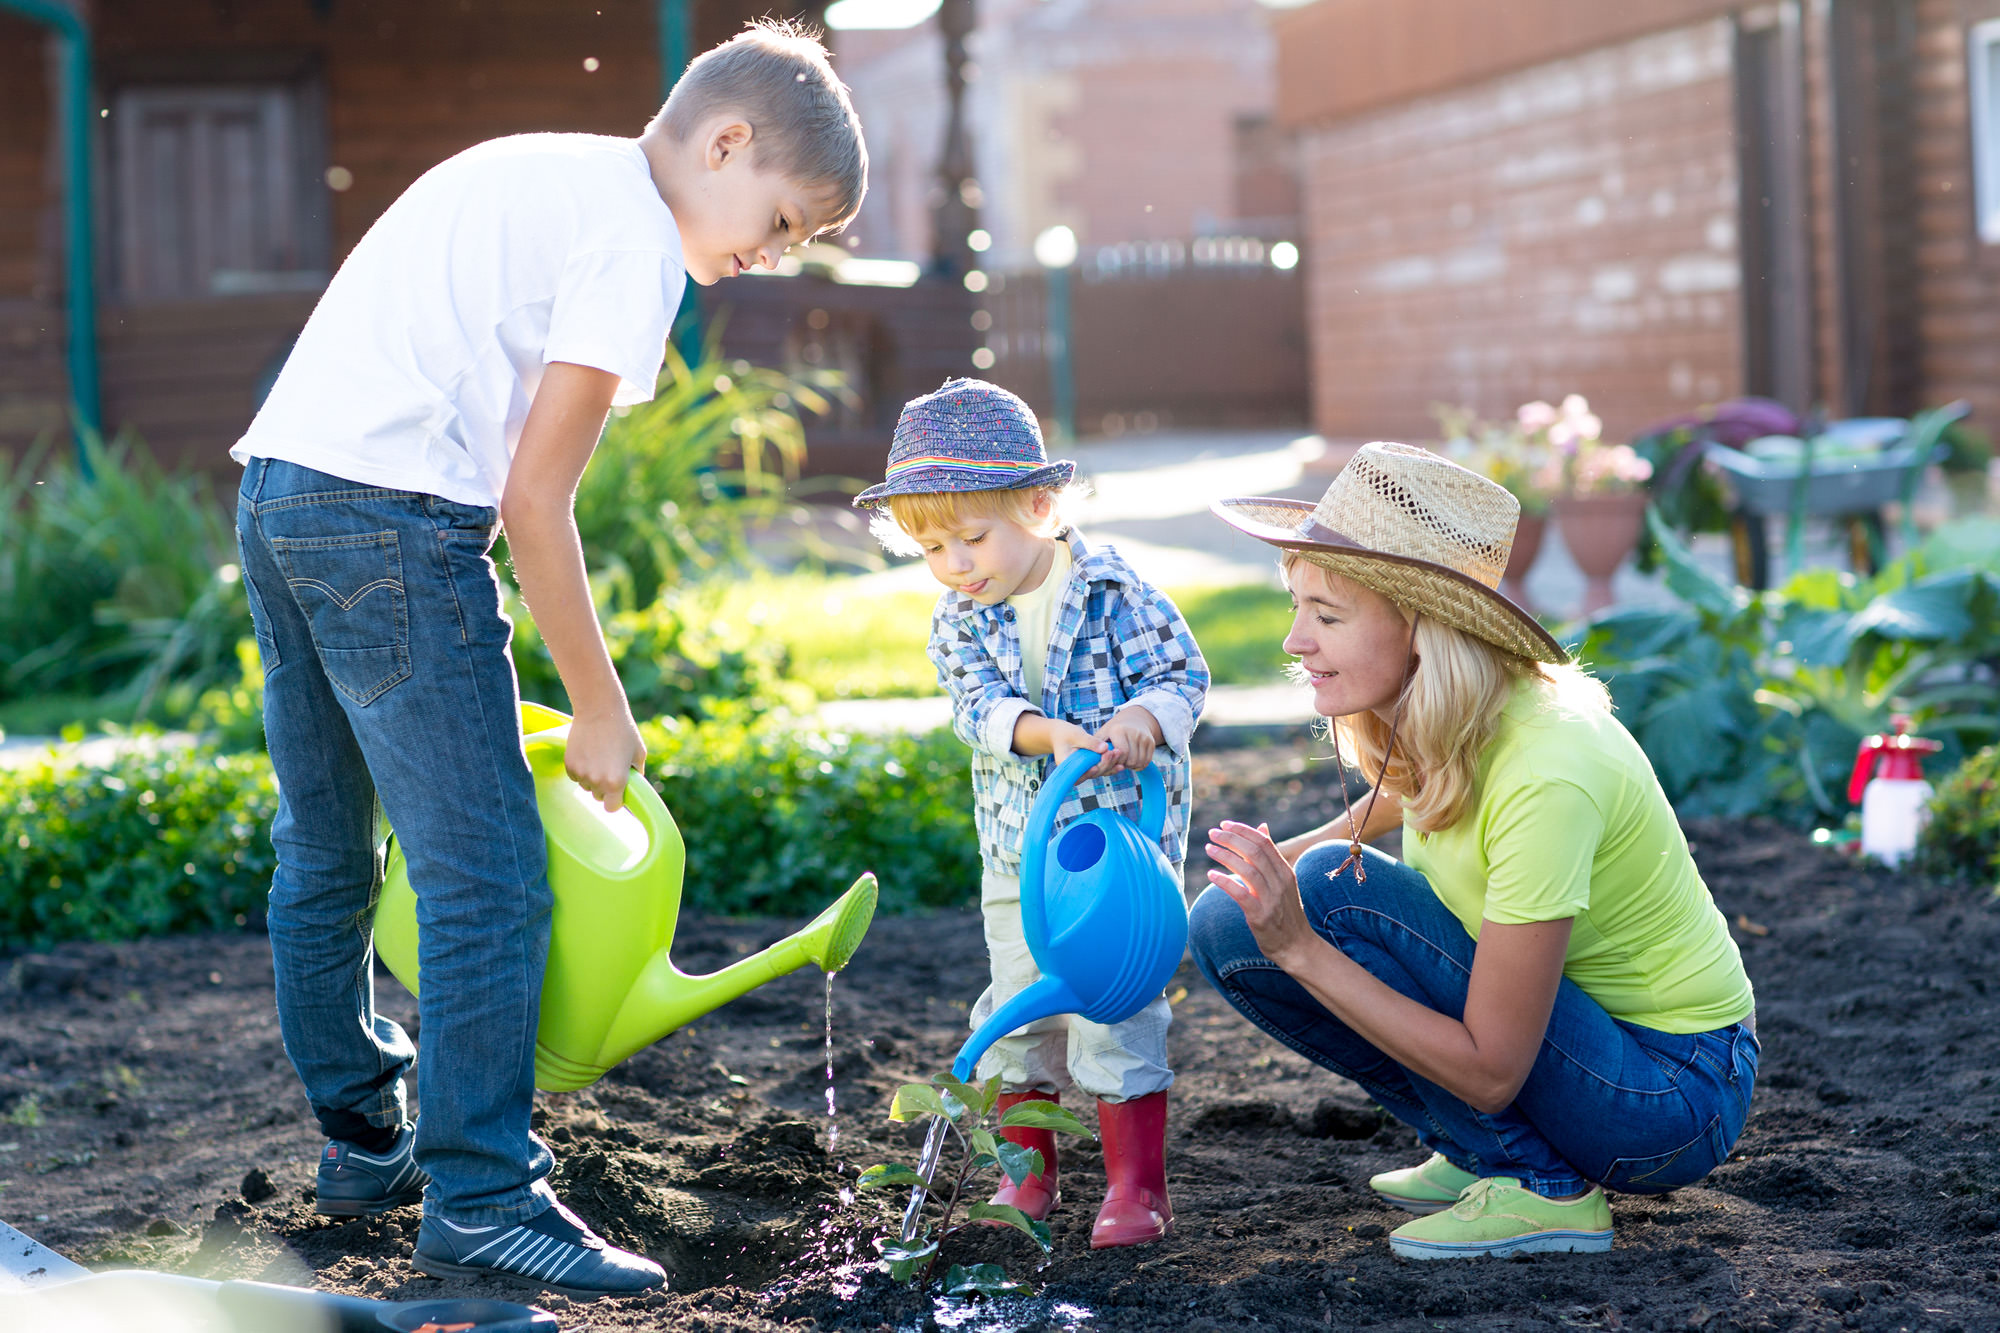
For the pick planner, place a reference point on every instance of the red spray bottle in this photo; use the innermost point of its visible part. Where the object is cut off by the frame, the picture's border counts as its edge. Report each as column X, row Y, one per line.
column 1889, row 783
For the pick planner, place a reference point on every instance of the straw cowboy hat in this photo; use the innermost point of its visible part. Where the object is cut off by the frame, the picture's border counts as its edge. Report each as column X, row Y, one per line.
column 1417, row 528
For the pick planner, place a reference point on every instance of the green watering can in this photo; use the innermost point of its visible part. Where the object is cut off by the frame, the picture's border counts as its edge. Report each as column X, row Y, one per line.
column 610, row 988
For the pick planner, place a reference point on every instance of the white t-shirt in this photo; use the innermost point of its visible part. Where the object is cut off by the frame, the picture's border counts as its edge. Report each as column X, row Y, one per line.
column 418, row 365
column 1035, row 621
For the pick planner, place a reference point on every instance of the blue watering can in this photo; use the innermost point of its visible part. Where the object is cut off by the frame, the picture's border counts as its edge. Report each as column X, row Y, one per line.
column 1106, row 922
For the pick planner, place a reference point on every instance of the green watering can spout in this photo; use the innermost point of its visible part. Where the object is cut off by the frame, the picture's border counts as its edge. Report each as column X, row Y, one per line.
column 611, row 988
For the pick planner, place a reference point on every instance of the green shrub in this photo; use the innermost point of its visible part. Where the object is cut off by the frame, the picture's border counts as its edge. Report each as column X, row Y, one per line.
column 779, row 818
column 676, row 658
column 674, row 483
column 176, row 840
column 1962, row 840
column 123, row 585
column 1753, row 703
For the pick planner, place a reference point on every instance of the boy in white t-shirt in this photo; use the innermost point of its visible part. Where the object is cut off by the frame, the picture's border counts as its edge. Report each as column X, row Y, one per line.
column 453, row 379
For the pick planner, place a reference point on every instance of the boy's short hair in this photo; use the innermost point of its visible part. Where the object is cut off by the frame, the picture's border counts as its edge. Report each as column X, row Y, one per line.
column 901, row 517
column 776, row 75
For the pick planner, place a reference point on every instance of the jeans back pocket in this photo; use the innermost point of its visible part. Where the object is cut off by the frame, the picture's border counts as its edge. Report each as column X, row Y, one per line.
column 1670, row 1170
column 350, row 589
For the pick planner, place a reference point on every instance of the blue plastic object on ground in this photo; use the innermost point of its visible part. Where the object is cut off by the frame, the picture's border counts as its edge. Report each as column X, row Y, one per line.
column 1104, row 917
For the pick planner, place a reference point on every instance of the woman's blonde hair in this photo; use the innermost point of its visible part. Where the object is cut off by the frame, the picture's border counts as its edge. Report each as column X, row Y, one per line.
column 1450, row 708
column 901, row 517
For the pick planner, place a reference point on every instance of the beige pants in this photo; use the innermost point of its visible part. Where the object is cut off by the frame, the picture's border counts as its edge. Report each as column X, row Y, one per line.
column 1115, row 1063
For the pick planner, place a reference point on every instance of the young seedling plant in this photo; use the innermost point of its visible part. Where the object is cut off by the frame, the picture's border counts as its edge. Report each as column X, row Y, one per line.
column 963, row 1110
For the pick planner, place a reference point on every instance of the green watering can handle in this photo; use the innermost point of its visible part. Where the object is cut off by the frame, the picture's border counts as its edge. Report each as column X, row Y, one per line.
column 546, row 751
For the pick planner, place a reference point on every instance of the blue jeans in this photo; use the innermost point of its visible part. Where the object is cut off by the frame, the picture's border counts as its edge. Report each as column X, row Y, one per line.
column 1606, row 1101
column 387, row 681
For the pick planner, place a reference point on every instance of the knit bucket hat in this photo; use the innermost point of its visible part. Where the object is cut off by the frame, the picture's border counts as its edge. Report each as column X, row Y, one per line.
column 1417, row 528
column 968, row 436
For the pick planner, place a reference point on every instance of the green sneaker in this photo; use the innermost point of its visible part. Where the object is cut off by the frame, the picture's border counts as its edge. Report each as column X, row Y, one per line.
column 1423, row 1189
column 1496, row 1216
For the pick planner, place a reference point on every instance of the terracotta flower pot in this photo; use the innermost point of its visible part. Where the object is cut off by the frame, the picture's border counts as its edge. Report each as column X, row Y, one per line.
column 1600, row 532
column 1528, row 533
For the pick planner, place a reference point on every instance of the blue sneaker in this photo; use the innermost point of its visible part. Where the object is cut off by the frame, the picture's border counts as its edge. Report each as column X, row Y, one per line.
column 553, row 1250
column 353, row 1183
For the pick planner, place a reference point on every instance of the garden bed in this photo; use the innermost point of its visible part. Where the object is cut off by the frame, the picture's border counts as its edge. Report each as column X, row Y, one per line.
column 148, row 1116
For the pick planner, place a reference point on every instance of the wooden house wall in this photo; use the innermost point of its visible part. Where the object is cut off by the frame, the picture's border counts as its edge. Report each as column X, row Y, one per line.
column 403, row 83
column 31, row 328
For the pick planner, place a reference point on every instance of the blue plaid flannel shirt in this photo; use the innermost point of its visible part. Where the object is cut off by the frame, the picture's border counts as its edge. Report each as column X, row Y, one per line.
column 1117, row 640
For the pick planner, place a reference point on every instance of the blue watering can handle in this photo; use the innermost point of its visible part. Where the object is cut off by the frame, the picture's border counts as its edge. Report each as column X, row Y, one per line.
column 1042, row 826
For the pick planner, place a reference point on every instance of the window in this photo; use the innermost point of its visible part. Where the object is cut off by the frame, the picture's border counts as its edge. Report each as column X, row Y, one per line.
column 1984, row 48
column 217, row 191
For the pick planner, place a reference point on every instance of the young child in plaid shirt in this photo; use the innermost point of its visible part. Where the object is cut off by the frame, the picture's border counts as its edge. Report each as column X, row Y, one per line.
column 1047, row 645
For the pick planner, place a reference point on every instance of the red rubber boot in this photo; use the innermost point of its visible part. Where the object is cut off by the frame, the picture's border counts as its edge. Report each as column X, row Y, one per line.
column 1036, row 1195
column 1135, row 1209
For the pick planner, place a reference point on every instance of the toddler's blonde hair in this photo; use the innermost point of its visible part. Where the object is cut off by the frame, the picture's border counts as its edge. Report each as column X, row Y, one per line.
column 901, row 517
column 1451, row 708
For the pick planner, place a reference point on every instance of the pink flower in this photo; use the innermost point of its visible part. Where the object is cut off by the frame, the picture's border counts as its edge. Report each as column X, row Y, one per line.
column 1535, row 416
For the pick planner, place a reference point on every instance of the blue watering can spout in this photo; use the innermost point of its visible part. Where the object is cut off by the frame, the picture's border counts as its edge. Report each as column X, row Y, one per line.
column 1103, row 917
column 1045, row 999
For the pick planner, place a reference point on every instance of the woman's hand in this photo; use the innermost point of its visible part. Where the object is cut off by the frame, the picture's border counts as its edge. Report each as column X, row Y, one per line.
column 1265, row 886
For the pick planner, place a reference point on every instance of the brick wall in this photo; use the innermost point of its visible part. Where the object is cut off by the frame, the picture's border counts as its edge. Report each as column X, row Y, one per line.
column 1566, row 227
column 1115, row 117
column 1190, row 347
column 1958, row 275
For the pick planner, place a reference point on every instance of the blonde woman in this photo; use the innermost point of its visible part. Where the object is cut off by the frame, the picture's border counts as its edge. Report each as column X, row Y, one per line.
column 1543, row 990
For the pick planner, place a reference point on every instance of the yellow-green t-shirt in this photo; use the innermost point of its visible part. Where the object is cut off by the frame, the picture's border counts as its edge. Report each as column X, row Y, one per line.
column 1571, row 822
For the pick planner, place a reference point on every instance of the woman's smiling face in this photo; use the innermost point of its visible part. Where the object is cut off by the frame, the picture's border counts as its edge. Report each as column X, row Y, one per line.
column 1352, row 641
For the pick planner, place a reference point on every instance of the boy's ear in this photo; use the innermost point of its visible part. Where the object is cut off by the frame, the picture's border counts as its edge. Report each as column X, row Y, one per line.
column 726, row 140
column 1043, row 502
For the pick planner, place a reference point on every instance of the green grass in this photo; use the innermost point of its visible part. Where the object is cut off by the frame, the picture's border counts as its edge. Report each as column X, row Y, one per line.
column 847, row 645
column 844, row 644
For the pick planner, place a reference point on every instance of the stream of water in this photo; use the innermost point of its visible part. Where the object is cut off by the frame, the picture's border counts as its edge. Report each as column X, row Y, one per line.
column 926, row 1167
column 832, row 1123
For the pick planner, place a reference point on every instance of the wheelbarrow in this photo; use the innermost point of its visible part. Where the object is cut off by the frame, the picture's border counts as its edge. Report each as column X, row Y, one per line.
column 1846, row 471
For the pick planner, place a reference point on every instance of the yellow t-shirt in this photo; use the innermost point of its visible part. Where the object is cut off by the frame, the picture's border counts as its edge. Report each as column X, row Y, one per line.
column 1571, row 822
column 1035, row 621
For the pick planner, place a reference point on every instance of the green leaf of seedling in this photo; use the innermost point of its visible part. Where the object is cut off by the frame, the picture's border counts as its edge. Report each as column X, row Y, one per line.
column 1019, row 1163
column 982, row 1141
column 1009, row 1216
column 889, row 1173
column 906, row 1261
column 979, row 1280
column 980, row 1099
column 954, row 1107
column 1042, row 1115
column 914, row 1101
column 980, row 1162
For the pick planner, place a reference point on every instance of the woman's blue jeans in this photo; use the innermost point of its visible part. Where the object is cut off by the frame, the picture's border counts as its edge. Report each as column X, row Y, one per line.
column 387, row 679
column 1609, row 1102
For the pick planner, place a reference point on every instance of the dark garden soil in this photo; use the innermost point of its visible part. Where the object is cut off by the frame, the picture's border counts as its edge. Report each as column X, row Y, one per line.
column 148, row 1116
